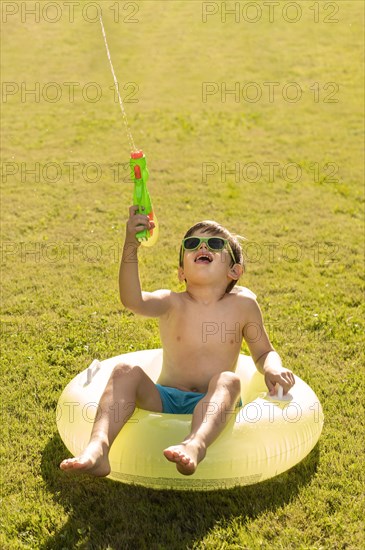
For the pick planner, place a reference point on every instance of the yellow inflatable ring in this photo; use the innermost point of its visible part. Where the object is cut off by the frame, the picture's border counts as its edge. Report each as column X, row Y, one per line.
column 264, row 438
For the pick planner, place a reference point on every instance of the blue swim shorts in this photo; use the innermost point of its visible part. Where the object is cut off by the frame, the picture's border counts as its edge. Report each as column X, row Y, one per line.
column 176, row 401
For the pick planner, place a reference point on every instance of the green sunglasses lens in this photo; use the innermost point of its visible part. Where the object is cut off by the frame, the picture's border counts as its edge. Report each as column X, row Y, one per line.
column 191, row 243
column 215, row 243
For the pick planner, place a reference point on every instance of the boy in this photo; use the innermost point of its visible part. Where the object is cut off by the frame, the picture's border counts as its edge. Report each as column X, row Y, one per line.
column 201, row 332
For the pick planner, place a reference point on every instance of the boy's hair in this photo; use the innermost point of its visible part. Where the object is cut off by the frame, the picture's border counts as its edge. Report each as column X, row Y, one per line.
column 214, row 228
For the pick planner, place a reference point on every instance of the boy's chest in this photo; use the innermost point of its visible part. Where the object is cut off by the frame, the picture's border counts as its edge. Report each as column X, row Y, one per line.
column 201, row 326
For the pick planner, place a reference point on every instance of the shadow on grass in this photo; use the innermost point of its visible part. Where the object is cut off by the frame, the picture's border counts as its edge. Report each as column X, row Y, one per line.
column 105, row 514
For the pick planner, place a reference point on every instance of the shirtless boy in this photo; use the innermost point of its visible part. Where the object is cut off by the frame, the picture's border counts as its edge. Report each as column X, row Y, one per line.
column 201, row 332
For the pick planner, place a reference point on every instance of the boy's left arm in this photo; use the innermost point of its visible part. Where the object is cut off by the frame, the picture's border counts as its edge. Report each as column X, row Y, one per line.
column 266, row 359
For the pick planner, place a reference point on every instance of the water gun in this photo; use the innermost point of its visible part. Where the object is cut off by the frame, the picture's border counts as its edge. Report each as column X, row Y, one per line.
column 141, row 197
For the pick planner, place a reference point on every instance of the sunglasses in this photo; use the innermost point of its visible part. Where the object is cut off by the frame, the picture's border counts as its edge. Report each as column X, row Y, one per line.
column 215, row 244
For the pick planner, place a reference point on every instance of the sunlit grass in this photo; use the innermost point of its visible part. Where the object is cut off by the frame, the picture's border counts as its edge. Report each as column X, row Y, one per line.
column 62, row 240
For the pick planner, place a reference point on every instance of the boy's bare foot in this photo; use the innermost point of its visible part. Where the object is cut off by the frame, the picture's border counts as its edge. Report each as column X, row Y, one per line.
column 186, row 456
column 94, row 460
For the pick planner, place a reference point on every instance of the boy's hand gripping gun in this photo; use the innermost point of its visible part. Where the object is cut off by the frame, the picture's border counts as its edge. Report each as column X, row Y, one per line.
column 141, row 197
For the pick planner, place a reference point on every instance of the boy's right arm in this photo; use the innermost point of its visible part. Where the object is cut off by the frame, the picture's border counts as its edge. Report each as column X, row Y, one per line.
column 151, row 304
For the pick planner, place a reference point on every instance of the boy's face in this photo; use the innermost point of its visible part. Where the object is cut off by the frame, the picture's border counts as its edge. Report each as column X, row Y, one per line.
column 208, row 265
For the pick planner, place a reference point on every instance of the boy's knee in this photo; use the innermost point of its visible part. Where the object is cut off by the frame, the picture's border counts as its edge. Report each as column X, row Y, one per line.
column 123, row 369
column 231, row 381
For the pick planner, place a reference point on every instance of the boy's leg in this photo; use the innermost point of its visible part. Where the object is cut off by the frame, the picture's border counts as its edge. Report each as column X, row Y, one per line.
column 127, row 387
column 209, row 419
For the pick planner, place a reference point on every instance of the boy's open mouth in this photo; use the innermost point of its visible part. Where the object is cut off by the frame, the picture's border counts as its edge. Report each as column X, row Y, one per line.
column 203, row 258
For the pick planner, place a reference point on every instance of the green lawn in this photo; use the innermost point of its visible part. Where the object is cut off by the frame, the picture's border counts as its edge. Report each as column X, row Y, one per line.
column 296, row 195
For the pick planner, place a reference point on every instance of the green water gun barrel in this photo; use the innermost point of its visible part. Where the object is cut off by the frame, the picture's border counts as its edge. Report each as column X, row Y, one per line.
column 141, row 196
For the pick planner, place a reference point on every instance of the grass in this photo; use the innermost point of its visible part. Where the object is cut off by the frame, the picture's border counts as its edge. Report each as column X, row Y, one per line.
column 62, row 240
